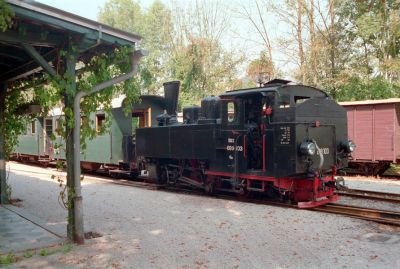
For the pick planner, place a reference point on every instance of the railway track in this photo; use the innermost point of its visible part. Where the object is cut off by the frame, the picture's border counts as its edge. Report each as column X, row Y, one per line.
column 370, row 214
column 372, row 195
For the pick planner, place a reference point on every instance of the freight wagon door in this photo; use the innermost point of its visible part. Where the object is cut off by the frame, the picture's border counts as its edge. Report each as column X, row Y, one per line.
column 384, row 132
column 363, row 132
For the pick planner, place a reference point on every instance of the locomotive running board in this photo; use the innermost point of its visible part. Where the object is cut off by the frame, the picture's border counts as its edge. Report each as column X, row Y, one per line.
column 311, row 204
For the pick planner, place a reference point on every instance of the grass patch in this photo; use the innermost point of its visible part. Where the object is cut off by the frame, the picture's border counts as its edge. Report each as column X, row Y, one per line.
column 67, row 248
column 50, row 251
column 29, row 254
column 394, row 170
column 43, row 252
column 7, row 259
column 10, row 258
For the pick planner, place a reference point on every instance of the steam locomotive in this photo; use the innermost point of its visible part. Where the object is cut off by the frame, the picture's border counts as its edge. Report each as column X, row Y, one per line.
column 281, row 140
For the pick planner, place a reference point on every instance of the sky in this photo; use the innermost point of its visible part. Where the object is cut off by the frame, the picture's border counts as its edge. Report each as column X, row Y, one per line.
column 86, row 8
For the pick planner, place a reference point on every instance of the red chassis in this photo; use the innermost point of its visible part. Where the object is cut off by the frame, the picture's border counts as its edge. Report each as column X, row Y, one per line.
column 306, row 192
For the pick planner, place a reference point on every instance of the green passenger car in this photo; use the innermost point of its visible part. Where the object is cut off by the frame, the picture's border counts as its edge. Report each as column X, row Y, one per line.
column 113, row 149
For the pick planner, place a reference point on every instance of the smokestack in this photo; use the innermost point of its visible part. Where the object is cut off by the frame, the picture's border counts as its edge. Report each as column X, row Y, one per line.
column 171, row 93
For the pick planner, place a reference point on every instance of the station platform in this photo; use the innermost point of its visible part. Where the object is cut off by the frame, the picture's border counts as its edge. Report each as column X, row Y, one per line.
column 21, row 232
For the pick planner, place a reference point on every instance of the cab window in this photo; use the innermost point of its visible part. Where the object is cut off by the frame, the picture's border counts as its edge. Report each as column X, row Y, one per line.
column 284, row 101
column 232, row 112
column 300, row 99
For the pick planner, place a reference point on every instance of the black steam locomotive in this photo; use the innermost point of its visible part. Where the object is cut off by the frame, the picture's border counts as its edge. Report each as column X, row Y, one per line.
column 282, row 140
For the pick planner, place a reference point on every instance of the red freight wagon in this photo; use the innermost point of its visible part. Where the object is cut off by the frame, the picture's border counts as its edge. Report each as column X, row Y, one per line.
column 374, row 125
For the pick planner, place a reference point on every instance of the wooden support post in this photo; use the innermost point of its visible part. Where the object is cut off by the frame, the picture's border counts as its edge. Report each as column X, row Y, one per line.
column 75, row 219
column 3, row 183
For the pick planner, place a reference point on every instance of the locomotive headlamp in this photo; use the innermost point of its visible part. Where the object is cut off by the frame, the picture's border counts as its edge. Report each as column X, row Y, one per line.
column 308, row 148
column 348, row 146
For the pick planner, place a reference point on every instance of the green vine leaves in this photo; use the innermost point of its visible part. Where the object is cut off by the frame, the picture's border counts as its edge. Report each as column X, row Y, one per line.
column 100, row 68
column 52, row 91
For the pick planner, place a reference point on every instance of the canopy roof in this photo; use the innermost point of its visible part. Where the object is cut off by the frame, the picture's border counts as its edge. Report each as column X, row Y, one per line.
column 40, row 32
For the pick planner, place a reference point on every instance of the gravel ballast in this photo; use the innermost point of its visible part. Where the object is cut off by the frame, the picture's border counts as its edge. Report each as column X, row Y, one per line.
column 154, row 229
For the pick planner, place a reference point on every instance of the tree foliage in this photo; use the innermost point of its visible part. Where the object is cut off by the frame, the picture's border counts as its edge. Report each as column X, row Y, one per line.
column 99, row 68
column 349, row 48
column 50, row 91
column 155, row 26
column 186, row 47
column 373, row 27
column 262, row 69
column 370, row 32
column 6, row 15
column 376, row 88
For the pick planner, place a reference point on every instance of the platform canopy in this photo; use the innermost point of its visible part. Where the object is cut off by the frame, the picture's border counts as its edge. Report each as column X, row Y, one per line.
column 40, row 32
column 43, row 39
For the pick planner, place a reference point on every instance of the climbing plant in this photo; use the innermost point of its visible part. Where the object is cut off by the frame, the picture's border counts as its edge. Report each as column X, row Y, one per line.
column 50, row 91
column 99, row 68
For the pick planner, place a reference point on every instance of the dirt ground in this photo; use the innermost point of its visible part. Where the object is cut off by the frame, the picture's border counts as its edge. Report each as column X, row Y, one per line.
column 154, row 229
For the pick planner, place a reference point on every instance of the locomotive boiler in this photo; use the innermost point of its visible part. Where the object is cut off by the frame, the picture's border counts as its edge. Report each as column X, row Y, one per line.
column 282, row 140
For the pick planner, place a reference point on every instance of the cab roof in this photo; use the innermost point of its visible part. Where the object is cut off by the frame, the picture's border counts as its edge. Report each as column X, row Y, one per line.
column 280, row 86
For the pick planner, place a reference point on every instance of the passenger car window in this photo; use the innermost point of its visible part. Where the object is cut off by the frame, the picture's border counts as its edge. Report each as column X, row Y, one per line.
column 33, row 127
column 59, row 127
column 100, row 118
column 49, row 126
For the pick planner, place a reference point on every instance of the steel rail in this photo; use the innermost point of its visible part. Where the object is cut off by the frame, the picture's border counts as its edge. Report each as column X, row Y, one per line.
column 371, row 214
column 372, row 195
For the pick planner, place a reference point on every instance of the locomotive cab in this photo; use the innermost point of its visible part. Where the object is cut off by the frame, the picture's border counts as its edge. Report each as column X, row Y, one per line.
column 292, row 134
column 307, row 116
column 276, row 123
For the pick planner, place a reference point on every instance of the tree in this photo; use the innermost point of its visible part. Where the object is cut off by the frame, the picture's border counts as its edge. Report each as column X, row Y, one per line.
column 187, row 46
column 155, row 26
column 199, row 59
column 356, row 88
column 259, row 22
column 368, row 41
column 294, row 43
column 373, row 28
column 261, row 70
